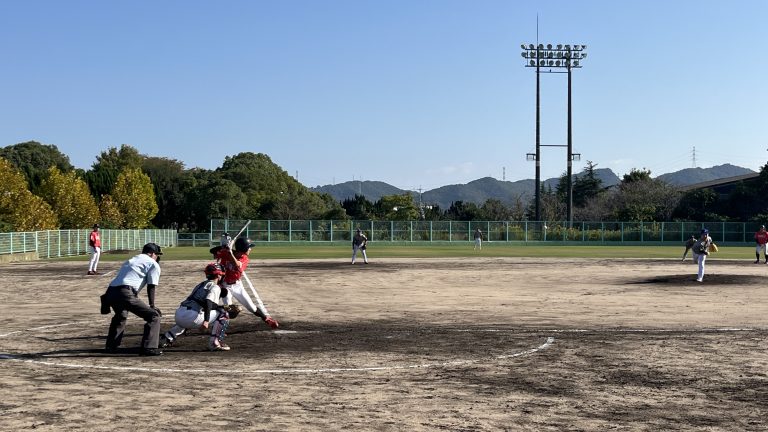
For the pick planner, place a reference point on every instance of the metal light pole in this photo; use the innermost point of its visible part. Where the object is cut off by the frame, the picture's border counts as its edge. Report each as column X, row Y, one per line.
column 559, row 57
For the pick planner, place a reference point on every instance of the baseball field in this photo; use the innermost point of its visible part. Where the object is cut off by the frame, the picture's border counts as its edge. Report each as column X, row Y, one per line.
column 481, row 341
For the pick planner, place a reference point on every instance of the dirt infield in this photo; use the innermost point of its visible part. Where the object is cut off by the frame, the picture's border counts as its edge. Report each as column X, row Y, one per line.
column 470, row 344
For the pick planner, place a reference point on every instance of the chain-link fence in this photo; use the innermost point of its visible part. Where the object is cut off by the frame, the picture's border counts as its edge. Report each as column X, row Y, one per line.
column 497, row 231
column 61, row 243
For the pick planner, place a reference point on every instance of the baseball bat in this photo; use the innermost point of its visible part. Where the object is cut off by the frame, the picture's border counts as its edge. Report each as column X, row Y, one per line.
column 241, row 231
column 255, row 294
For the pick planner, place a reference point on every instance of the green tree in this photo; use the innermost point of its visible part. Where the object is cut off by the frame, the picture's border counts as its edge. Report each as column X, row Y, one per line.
column 20, row 209
column 70, row 199
column 34, row 159
column 110, row 213
column 358, row 208
column 645, row 199
column 552, row 205
column 494, row 210
column 695, row 204
column 134, row 196
column 636, row 175
column 397, row 207
column 109, row 164
column 586, row 186
column 171, row 184
column 258, row 178
column 463, row 211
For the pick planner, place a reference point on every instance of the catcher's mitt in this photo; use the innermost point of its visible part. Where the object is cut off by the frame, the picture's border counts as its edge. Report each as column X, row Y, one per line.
column 233, row 310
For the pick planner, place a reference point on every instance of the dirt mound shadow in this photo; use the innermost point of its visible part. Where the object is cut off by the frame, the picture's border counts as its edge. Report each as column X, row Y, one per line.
column 690, row 279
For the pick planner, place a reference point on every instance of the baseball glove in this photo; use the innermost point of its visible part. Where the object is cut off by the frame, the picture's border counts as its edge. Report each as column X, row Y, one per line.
column 233, row 310
column 713, row 248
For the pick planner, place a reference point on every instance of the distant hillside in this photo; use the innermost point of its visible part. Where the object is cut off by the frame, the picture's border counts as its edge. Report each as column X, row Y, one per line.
column 371, row 190
column 480, row 190
column 699, row 175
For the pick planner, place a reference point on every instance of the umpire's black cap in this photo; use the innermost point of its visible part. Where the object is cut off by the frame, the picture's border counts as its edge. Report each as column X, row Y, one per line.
column 151, row 248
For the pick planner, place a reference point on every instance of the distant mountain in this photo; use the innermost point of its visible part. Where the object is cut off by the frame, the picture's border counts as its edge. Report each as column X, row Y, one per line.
column 371, row 190
column 480, row 190
column 690, row 176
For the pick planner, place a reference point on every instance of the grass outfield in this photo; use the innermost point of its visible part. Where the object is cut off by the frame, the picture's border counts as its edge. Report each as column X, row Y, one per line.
column 490, row 249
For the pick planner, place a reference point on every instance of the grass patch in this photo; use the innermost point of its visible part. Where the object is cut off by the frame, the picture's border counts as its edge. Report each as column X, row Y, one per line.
column 439, row 250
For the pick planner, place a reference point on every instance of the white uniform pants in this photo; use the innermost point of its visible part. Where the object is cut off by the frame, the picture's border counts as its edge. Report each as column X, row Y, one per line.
column 760, row 249
column 700, row 259
column 478, row 243
column 237, row 290
column 354, row 253
column 94, row 259
column 187, row 319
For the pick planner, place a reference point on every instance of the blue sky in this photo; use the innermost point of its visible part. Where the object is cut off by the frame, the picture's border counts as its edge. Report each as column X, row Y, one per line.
column 417, row 93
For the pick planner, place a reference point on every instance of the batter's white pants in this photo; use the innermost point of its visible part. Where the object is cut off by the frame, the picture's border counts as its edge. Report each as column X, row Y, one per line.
column 94, row 259
column 237, row 290
column 354, row 254
column 188, row 319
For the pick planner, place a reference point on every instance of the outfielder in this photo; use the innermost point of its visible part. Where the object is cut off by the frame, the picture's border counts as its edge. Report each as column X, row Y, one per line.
column 94, row 241
column 761, row 238
column 203, row 310
column 359, row 243
column 700, row 252
column 478, row 239
column 234, row 263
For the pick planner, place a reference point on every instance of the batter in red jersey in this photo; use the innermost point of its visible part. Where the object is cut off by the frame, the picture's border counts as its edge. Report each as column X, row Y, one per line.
column 761, row 238
column 94, row 241
column 234, row 263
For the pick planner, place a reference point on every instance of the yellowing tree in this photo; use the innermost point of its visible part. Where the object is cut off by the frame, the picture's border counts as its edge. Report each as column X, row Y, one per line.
column 135, row 197
column 20, row 210
column 70, row 199
column 110, row 214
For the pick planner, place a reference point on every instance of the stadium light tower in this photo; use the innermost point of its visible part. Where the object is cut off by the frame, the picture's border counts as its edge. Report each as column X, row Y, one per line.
column 551, row 57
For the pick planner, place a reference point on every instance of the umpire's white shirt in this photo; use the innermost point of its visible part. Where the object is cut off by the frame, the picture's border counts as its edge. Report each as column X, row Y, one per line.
column 137, row 272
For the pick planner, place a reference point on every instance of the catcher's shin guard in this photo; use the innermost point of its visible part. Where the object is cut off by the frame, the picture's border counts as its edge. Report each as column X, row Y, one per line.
column 219, row 328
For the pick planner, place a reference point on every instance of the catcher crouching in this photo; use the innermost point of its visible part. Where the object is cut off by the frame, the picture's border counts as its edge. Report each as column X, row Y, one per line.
column 203, row 310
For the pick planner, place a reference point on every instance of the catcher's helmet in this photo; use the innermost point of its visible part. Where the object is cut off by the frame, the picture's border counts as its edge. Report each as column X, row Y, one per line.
column 242, row 244
column 214, row 269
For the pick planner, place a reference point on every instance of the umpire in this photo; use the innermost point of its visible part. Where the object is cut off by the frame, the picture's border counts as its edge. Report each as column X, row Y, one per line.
column 123, row 297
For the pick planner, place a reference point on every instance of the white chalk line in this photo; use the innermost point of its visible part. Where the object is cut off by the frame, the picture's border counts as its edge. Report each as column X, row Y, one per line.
column 549, row 341
column 620, row 330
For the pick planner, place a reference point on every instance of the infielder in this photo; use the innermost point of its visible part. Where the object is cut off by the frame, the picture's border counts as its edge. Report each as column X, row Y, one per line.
column 123, row 297
column 359, row 243
column 94, row 241
column 700, row 252
column 688, row 245
column 234, row 263
column 478, row 239
column 202, row 310
column 761, row 238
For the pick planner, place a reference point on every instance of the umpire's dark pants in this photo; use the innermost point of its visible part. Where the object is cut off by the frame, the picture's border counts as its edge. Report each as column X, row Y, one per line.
column 122, row 299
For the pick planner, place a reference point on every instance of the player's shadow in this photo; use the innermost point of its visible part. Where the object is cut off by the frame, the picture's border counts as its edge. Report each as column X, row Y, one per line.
column 709, row 279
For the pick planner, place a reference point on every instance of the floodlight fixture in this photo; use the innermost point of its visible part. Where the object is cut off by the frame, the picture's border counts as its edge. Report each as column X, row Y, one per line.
column 559, row 56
